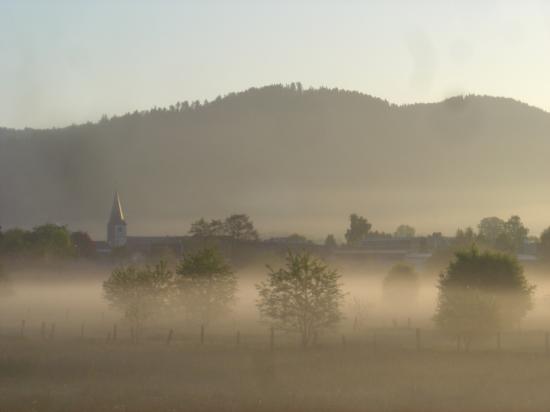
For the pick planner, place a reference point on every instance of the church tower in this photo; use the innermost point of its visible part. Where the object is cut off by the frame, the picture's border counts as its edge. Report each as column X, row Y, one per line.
column 116, row 228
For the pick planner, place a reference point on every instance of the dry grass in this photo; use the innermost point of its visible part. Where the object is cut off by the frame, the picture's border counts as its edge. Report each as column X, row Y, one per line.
column 94, row 376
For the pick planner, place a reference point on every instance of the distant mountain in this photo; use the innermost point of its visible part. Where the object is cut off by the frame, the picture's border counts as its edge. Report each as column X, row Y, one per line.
column 295, row 160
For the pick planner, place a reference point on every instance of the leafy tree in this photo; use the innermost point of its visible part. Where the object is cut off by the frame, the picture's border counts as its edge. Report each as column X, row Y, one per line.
column 401, row 283
column 240, row 227
column 405, row 231
column 358, row 230
column 206, row 285
column 481, row 293
column 138, row 292
column 202, row 228
column 83, row 244
column 51, row 240
column 15, row 242
column 330, row 242
column 303, row 297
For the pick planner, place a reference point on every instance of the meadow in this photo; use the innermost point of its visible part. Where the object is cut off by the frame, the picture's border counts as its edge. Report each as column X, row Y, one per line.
column 59, row 352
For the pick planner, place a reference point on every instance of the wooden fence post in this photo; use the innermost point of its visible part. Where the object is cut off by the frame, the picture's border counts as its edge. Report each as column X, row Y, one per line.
column 169, row 338
column 114, row 332
column 23, row 328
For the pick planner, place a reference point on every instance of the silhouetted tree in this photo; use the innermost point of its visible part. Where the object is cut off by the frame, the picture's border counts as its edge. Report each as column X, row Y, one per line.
column 330, row 242
column 404, row 231
column 491, row 228
column 83, row 244
column 481, row 293
column 401, row 284
column 358, row 230
column 544, row 245
column 202, row 228
column 516, row 232
column 240, row 227
column 138, row 292
column 302, row 297
column 206, row 285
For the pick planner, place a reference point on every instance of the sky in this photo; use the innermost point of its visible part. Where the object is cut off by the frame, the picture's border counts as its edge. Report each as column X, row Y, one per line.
column 65, row 62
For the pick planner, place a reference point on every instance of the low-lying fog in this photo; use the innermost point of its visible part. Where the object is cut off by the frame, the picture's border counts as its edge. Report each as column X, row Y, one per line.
column 71, row 301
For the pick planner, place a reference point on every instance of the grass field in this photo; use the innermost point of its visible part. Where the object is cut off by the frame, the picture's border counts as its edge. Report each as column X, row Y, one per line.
column 72, row 375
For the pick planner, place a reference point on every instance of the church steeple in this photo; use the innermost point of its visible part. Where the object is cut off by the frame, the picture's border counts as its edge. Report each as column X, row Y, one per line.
column 116, row 228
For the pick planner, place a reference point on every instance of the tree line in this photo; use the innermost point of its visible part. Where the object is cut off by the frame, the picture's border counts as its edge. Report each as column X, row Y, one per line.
column 48, row 241
column 480, row 293
column 304, row 296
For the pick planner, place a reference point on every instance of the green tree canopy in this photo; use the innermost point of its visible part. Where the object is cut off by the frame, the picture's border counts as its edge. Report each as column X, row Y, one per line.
column 482, row 292
column 138, row 292
column 206, row 285
column 51, row 240
column 302, row 297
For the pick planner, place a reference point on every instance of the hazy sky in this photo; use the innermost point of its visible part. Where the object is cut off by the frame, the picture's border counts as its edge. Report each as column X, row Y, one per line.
column 71, row 61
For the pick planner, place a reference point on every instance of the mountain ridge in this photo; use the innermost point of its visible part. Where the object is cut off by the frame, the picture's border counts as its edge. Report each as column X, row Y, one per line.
column 294, row 159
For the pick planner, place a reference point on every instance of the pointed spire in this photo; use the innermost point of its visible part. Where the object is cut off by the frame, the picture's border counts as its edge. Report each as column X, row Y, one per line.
column 117, row 215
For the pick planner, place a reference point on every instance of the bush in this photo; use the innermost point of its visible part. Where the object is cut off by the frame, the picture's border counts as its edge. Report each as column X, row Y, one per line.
column 481, row 293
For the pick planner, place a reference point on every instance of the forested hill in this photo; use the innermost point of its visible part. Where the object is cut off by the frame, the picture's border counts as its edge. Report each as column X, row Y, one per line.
column 293, row 159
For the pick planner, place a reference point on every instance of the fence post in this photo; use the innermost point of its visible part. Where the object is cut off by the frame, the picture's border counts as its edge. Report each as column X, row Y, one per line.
column 272, row 339
column 409, row 323
column 23, row 328
column 114, row 332
column 169, row 338
column 202, row 334
column 238, row 341
column 52, row 331
column 418, row 343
